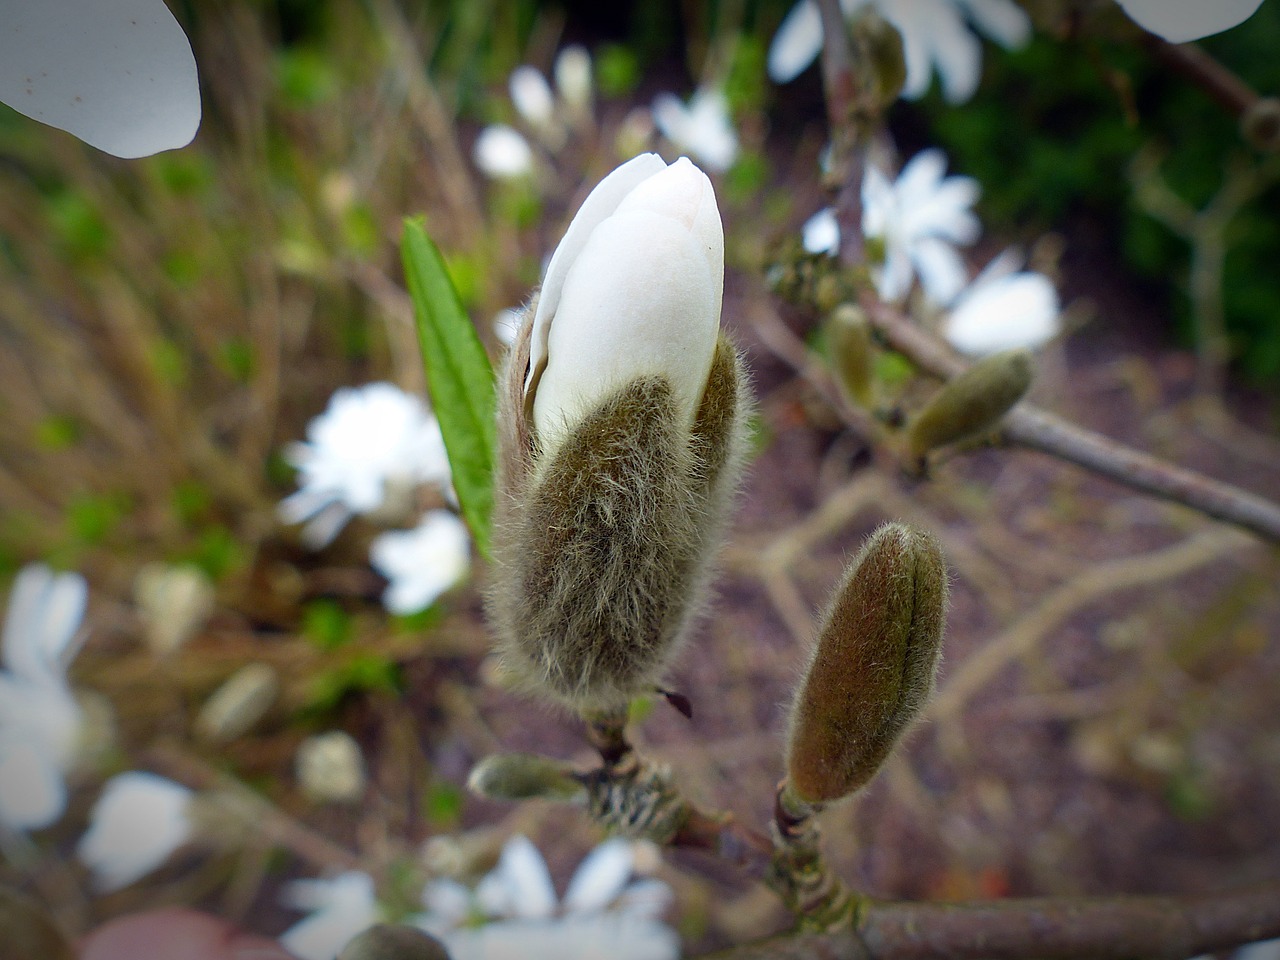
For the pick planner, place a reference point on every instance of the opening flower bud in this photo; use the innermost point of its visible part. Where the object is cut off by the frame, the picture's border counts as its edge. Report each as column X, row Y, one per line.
column 873, row 665
column 622, row 429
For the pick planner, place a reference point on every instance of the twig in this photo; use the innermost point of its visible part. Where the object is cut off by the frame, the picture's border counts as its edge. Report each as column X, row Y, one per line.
column 1048, row 929
column 1204, row 71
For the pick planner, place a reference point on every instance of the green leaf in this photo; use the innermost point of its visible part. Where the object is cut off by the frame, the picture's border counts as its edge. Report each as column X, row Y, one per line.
column 459, row 378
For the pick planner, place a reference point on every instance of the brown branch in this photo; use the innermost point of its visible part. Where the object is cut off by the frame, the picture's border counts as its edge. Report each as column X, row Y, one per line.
column 1037, row 429
column 1114, row 928
column 1220, row 83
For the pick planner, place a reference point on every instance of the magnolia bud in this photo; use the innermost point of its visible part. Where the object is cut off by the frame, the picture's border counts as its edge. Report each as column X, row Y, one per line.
column 852, row 354
column 573, row 80
column 1260, row 124
column 241, row 701
column 973, row 402
column 393, row 941
column 27, row 930
column 523, row 776
column 622, row 427
column 330, row 768
column 872, row 667
column 174, row 603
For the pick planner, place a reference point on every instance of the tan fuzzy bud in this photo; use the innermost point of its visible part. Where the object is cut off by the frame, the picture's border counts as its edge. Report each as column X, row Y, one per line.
column 1260, row 124
column 174, row 602
column 973, row 402
column 330, row 768
column 852, row 353
column 394, row 941
column 241, row 701
column 873, row 665
column 603, row 548
column 26, row 930
column 523, row 776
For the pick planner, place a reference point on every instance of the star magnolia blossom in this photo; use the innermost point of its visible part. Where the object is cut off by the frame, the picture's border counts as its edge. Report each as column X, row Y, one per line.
column 1179, row 21
column 633, row 289
column 703, row 128
column 40, row 720
column 422, row 563
column 118, row 74
column 341, row 908
column 1003, row 309
column 935, row 36
column 919, row 218
column 138, row 822
column 372, row 443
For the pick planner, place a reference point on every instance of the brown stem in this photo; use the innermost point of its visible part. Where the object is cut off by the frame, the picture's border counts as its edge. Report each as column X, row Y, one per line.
column 1114, row 928
column 1204, row 71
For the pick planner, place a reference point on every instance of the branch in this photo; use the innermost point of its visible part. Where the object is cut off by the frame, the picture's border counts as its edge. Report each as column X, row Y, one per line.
column 1220, row 83
column 1037, row 429
column 1115, row 928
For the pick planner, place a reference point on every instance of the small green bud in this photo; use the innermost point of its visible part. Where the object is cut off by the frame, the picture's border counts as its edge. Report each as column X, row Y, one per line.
column 872, row 667
column 523, row 776
column 852, row 353
column 1260, row 124
column 393, row 941
column 973, row 402
column 28, row 931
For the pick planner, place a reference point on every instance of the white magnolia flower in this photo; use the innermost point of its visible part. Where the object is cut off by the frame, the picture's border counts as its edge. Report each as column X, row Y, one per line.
column 138, row 822
column 920, row 218
column 502, row 152
column 1179, row 21
column 603, row 913
column 371, row 443
column 821, row 233
column 40, row 720
column 1003, row 309
column 633, row 289
column 341, row 908
column 118, row 74
column 936, row 35
column 422, row 563
column 703, row 129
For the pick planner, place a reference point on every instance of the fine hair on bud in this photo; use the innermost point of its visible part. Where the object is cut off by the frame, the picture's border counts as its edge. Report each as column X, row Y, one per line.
column 852, row 353
column 603, row 547
column 973, row 403
column 872, row 667
column 521, row 776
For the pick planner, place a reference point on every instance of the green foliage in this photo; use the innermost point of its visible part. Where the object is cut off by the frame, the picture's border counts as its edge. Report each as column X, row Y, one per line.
column 217, row 551
column 442, row 805
column 58, row 432
column 364, row 673
column 305, row 77
column 326, row 625
column 459, row 378
column 92, row 518
column 617, row 70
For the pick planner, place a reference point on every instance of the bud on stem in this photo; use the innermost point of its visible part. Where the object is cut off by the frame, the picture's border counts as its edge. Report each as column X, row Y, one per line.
column 873, row 665
column 852, row 354
column 973, row 402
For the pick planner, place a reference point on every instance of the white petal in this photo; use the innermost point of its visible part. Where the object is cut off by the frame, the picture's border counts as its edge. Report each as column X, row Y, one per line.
column 612, row 936
column 1179, row 21
column 326, row 525
column 45, row 610
column 138, row 821
column 957, row 56
column 502, row 153
column 599, row 204
column 821, row 233
column 422, row 563
column 118, row 74
column 531, row 95
column 573, row 77
column 345, row 906
column 647, row 899
column 797, row 42
column 942, row 271
column 600, row 878
column 525, row 876
column 1263, row 950
column 893, row 279
column 32, row 792
column 1009, row 312
column 641, row 299
column 1002, row 20
column 448, row 902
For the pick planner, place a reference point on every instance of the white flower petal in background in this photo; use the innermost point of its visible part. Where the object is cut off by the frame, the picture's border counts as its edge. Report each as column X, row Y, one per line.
column 520, row 886
column 40, row 720
column 615, row 936
column 821, row 233
column 1180, row 21
column 702, row 129
column 1262, row 950
column 502, row 152
column 573, row 80
column 138, row 822
column 118, row 74
column 1003, row 309
column 531, row 96
column 919, row 218
column 936, row 36
column 368, row 443
column 422, row 563
column 341, row 908
column 601, row 877
column 506, row 324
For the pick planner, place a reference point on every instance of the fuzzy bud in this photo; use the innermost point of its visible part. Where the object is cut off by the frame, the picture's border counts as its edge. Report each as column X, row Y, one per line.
column 522, row 776
column 330, row 768
column 394, row 941
column 873, row 665
column 622, row 429
column 852, row 353
column 174, row 602
column 243, row 699
column 973, row 403
column 1260, row 124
